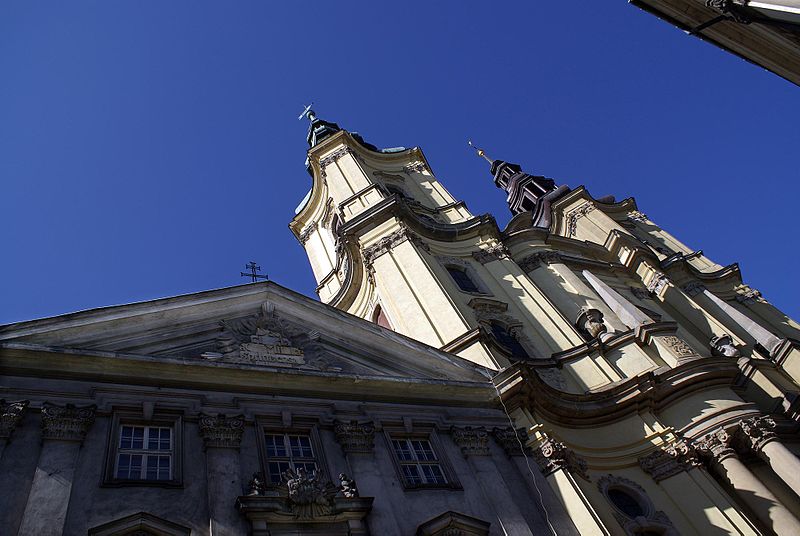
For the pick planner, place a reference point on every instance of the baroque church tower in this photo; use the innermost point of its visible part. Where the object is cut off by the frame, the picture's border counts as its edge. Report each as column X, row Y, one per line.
column 652, row 374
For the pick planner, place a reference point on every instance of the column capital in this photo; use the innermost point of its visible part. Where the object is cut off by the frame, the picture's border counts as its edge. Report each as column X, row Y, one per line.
column 756, row 432
column 715, row 446
column 221, row 431
column 511, row 439
column 554, row 455
column 472, row 440
column 670, row 460
column 67, row 423
column 354, row 436
column 10, row 415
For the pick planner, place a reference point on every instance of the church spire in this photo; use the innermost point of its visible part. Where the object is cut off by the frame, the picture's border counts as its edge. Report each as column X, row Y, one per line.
column 318, row 129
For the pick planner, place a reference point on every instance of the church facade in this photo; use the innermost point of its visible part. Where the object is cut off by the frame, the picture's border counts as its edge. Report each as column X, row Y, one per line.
column 579, row 372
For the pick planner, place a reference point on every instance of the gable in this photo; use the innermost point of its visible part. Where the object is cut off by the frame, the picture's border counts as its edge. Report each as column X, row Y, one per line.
column 259, row 325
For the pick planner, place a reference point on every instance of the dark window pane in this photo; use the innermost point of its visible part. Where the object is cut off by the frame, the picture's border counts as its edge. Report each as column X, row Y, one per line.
column 625, row 502
column 462, row 279
column 508, row 341
column 402, row 449
column 411, row 474
column 275, row 446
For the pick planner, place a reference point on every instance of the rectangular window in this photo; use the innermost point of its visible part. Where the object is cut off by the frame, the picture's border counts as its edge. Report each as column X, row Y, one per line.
column 144, row 453
column 419, row 465
column 288, row 451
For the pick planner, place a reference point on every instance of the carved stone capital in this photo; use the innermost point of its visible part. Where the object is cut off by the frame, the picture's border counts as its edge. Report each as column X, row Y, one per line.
column 305, row 234
column 748, row 296
column 554, row 455
column 415, row 167
column 67, row 423
column 389, row 242
column 10, row 415
column 715, row 446
column 354, row 436
column 723, row 346
column 590, row 323
column 513, row 441
column 334, row 156
column 221, row 431
column 472, row 440
column 635, row 215
column 669, row 461
column 576, row 214
column 756, row 432
column 657, row 283
column 492, row 253
column 531, row 262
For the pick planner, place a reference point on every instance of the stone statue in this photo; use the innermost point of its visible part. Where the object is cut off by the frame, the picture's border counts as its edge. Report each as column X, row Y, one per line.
column 256, row 485
column 723, row 345
column 348, row 486
column 590, row 321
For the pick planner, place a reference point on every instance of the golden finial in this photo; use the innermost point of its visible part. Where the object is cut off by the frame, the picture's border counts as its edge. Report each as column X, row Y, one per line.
column 480, row 152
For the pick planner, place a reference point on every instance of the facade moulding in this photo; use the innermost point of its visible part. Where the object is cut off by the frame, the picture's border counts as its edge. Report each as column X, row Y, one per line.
column 520, row 386
column 641, row 335
column 560, row 225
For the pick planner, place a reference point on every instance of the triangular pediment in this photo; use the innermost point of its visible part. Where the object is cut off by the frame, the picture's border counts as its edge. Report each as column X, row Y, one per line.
column 259, row 325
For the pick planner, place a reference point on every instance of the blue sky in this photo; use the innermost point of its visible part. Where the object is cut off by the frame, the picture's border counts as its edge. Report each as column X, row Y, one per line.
column 150, row 149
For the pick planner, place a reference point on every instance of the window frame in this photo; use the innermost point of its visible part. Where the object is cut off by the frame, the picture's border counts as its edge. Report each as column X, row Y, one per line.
column 428, row 434
column 469, row 270
column 120, row 418
column 273, row 426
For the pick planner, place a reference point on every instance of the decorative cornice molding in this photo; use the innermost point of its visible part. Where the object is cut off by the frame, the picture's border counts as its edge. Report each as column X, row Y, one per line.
column 715, row 446
column 10, row 415
column 221, row 431
column 354, row 436
column 756, row 432
column 574, row 215
column 670, row 461
column 472, row 440
column 657, row 283
column 492, row 253
column 554, row 455
column 513, row 441
column 66, row 423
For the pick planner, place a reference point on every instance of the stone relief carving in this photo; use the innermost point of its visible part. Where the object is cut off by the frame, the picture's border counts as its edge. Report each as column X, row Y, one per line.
column 723, row 346
column 635, row 215
column 10, row 415
column 354, row 436
column 348, row 486
column 531, row 262
column 306, row 233
column 576, row 214
column 677, row 346
column 492, row 253
column 657, row 283
column 590, row 323
column 513, row 441
column 389, row 242
column 554, row 455
column 472, row 440
column 715, row 446
column 669, row 461
column 748, row 296
column 756, row 432
column 415, row 167
column 68, row 423
column 221, row 431
column 259, row 340
column 309, row 495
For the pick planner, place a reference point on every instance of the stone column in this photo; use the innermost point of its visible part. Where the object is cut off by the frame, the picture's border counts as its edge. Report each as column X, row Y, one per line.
column 675, row 468
column 357, row 440
column 757, row 434
column 724, row 461
column 474, row 445
column 63, row 430
column 10, row 415
column 559, row 464
column 222, row 437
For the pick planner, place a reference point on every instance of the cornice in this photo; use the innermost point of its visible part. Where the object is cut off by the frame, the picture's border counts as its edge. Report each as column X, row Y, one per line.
column 520, row 386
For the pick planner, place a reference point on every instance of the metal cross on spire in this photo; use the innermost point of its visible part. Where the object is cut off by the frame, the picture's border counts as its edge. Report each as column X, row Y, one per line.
column 308, row 112
column 254, row 269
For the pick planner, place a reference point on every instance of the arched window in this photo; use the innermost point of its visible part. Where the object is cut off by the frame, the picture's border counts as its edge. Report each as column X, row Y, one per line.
column 507, row 340
column 462, row 279
column 379, row 317
column 627, row 503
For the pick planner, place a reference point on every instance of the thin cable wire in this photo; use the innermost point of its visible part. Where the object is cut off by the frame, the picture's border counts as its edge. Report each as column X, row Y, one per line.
column 527, row 461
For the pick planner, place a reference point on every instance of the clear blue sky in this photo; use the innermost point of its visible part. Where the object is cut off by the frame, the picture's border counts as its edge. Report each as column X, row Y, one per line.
column 150, row 149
